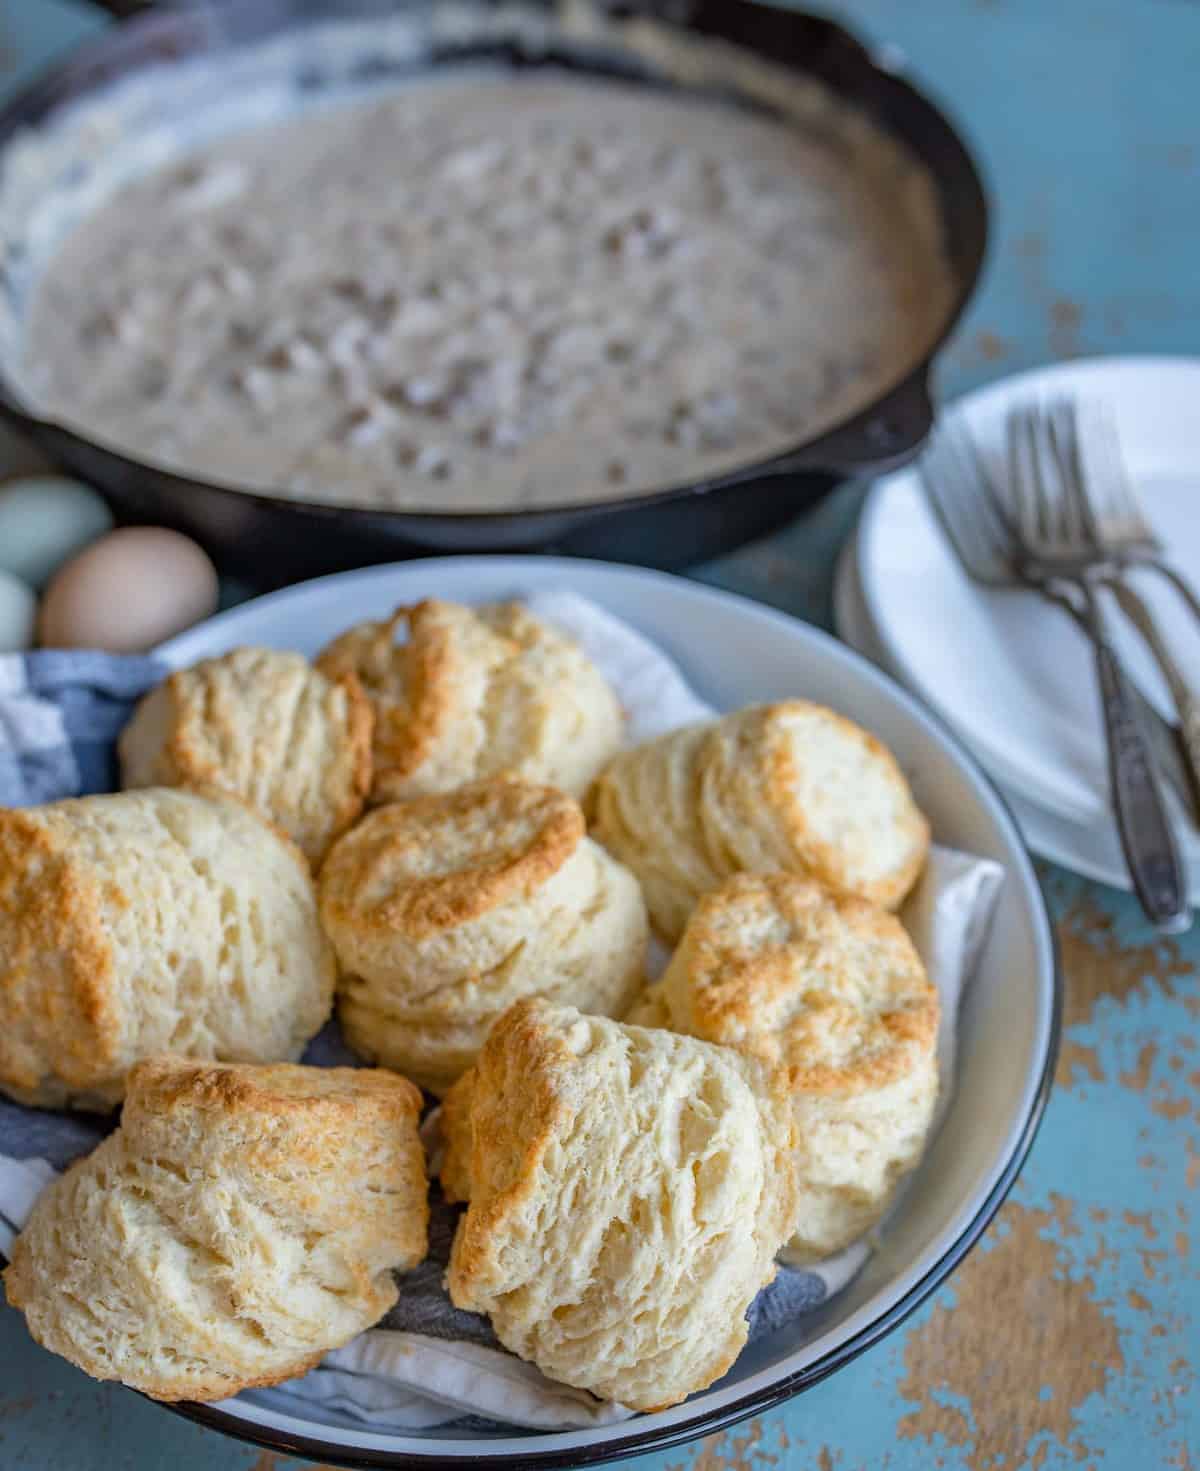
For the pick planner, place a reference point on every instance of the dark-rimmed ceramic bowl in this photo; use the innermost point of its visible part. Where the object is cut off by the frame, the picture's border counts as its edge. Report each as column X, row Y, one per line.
column 735, row 652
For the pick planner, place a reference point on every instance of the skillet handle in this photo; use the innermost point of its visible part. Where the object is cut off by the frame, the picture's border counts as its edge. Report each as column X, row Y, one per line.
column 15, row 417
column 121, row 9
column 883, row 439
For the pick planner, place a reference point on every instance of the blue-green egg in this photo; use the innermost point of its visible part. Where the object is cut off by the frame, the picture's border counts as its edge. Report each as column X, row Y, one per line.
column 44, row 521
column 18, row 613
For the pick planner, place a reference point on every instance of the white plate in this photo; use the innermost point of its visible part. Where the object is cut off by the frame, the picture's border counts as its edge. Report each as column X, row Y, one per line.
column 1090, row 849
column 1012, row 674
column 735, row 652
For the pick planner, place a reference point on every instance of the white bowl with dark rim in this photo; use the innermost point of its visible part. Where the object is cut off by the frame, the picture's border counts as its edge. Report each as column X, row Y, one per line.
column 734, row 652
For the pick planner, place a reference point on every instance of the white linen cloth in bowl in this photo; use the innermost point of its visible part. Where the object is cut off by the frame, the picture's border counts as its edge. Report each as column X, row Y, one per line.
column 430, row 1365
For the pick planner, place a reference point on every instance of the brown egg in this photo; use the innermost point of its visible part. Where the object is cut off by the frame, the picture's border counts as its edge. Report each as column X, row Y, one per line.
column 127, row 592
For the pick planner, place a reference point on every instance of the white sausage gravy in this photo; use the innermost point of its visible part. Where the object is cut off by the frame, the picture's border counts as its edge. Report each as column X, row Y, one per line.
column 493, row 292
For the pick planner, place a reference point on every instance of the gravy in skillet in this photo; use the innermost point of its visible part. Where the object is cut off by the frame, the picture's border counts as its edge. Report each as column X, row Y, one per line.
column 491, row 293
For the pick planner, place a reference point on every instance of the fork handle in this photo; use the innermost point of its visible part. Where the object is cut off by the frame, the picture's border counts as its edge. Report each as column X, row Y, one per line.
column 1137, row 610
column 1180, row 583
column 1145, row 829
column 1164, row 737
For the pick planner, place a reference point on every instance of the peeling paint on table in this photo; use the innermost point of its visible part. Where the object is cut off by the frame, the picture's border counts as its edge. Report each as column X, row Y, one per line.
column 1071, row 1337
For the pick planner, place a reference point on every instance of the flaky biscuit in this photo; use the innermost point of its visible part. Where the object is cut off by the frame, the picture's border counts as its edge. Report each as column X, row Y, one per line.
column 629, row 1189
column 830, row 989
column 239, row 1224
column 454, row 1125
column 476, row 692
column 145, row 922
column 790, row 786
column 265, row 726
column 446, row 909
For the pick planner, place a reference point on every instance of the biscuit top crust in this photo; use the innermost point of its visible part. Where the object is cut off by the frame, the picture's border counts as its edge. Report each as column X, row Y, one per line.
column 264, row 725
column 841, row 797
column 436, row 862
column 418, row 684
column 469, row 692
column 169, row 1084
column 826, row 986
column 57, row 986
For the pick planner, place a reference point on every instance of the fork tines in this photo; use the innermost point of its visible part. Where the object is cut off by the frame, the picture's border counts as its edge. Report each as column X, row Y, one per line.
column 963, row 495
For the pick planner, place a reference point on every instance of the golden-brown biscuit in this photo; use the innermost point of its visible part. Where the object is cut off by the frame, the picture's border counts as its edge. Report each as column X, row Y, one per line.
column 145, row 922
column 475, row 692
column 629, row 1189
column 790, row 786
column 264, row 726
column 830, row 989
column 455, row 1128
column 239, row 1224
column 445, row 909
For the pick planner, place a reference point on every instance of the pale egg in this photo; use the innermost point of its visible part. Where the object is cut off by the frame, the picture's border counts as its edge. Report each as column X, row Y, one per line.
column 128, row 591
column 44, row 521
column 18, row 612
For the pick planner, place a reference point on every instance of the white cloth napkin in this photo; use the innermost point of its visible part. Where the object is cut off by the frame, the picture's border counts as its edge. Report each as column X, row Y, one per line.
column 412, row 1381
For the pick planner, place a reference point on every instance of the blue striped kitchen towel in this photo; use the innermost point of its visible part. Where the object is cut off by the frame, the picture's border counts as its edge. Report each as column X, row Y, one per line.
column 61, row 711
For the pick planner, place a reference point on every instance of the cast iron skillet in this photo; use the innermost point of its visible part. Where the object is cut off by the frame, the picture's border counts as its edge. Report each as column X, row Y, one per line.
column 267, row 538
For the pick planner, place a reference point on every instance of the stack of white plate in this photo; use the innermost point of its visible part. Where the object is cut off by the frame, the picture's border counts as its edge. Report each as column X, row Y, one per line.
column 1008, row 671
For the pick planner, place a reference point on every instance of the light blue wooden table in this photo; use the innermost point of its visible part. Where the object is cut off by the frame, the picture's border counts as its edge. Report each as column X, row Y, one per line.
column 1071, row 1337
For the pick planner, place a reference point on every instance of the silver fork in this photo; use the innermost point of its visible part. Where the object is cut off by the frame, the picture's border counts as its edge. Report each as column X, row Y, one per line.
column 1057, row 547
column 959, row 486
column 1118, row 527
column 1120, row 521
